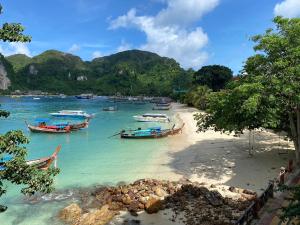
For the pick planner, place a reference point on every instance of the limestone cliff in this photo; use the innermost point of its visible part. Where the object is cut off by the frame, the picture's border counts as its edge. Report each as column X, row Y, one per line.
column 4, row 80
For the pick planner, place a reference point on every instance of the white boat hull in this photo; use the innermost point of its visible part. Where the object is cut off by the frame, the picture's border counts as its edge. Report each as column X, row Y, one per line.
column 151, row 119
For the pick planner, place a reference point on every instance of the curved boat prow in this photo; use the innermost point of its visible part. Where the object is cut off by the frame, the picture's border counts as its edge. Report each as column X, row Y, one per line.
column 57, row 150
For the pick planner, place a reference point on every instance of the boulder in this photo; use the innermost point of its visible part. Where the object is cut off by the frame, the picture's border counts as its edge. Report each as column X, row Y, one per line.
column 160, row 192
column 97, row 217
column 71, row 214
column 153, row 205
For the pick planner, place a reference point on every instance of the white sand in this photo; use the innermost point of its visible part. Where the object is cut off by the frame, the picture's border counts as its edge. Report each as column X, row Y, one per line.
column 215, row 158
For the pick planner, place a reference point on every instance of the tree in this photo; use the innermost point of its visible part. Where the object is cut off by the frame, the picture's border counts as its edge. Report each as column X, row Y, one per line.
column 215, row 76
column 198, row 97
column 243, row 105
column 278, row 61
column 268, row 94
column 16, row 170
column 13, row 32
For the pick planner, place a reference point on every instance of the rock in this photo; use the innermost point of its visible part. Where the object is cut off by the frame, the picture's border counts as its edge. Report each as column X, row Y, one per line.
column 3, row 208
column 160, row 192
column 134, row 206
column 153, row 205
column 4, row 80
column 70, row 214
column 97, row 217
column 33, row 70
column 214, row 198
column 126, row 200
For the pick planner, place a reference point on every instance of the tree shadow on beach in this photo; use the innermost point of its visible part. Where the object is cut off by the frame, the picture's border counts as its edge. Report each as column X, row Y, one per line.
column 226, row 160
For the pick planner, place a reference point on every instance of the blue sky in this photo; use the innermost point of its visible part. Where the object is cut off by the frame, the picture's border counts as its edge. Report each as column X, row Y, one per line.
column 194, row 32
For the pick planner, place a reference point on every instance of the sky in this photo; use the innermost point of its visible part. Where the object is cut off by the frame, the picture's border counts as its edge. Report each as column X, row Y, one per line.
column 193, row 32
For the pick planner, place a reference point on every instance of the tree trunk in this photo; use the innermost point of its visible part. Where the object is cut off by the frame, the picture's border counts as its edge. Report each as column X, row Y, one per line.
column 251, row 141
column 298, row 136
column 295, row 128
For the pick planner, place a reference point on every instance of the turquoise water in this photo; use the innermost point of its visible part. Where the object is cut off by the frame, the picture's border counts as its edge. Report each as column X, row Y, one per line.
column 88, row 156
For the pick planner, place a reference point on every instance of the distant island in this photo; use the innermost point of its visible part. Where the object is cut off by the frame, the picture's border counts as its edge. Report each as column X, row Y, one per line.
column 131, row 72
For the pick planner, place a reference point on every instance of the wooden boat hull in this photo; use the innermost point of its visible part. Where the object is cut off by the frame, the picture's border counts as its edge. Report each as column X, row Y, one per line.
column 44, row 163
column 46, row 130
column 162, row 134
column 74, row 127
column 152, row 136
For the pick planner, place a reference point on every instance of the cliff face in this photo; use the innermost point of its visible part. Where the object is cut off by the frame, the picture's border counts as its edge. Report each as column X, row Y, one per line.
column 4, row 80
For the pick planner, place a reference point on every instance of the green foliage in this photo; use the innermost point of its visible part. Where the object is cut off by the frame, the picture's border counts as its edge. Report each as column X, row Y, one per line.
column 198, row 97
column 215, row 76
column 13, row 32
column 244, row 106
column 268, row 93
column 18, row 61
column 292, row 211
column 130, row 73
column 17, row 171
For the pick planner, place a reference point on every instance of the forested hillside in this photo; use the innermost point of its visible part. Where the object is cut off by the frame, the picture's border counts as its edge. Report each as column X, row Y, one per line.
column 131, row 72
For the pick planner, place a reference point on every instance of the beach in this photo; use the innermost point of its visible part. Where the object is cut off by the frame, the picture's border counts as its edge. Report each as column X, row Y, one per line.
column 216, row 161
column 220, row 159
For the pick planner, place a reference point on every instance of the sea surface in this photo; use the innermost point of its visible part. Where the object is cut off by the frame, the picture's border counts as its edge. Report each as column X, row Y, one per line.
column 88, row 157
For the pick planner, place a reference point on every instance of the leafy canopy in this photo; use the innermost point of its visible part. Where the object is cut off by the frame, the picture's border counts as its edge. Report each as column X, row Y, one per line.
column 214, row 76
column 16, row 170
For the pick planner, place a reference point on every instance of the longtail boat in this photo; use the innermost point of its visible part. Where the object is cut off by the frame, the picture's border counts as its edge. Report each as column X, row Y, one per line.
column 42, row 163
column 79, row 126
column 45, row 163
column 42, row 127
column 150, row 133
column 174, row 130
column 153, row 132
column 75, row 126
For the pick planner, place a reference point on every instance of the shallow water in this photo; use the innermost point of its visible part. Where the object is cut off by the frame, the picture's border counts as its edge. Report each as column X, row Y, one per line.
column 88, row 157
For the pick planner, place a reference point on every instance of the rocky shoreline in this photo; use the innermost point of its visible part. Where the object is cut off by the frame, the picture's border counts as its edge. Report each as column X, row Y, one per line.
column 190, row 202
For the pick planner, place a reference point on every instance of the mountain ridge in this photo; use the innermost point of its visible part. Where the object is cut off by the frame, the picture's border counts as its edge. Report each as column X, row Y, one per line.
column 131, row 72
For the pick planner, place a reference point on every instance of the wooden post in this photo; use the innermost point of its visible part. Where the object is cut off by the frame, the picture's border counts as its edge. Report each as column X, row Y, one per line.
column 281, row 176
column 290, row 166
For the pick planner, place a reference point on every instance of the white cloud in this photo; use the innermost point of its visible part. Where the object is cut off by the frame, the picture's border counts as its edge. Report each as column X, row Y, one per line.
column 14, row 48
column 124, row 46
column 184, row 12
column 74, row 48
column 96, row 54
column 288, row 8
column 170, row 32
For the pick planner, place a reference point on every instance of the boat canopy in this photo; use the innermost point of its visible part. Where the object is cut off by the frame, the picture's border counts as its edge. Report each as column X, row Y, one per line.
column 42, row 120
column 6, row 159
column 61, row 124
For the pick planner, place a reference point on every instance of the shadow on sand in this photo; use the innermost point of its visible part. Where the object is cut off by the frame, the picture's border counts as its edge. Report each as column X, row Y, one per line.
column 226, row 161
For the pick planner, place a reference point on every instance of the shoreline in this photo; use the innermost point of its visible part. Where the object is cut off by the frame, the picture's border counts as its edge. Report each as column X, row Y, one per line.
column 220, row 159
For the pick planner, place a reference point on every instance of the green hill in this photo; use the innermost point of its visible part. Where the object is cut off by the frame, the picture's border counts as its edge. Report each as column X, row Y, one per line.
column 131, row 72
column 18, row 61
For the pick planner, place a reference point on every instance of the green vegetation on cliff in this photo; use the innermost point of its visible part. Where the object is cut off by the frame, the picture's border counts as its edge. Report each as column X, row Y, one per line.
column 131, row 72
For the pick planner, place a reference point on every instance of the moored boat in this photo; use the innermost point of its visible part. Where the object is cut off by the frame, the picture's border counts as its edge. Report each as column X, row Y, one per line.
column 110, row 108
column 162, row 106
column 75, row 126
column 42, row 127
column 150, row 133
column 153, row 132
column 72, row 114
column 41, row 163
column 152, row 117
column 84, row 96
